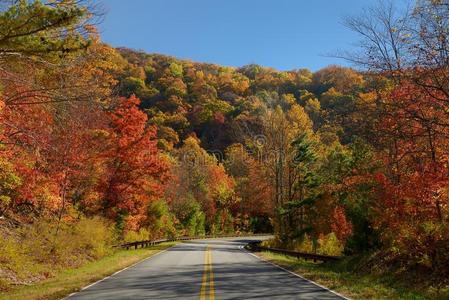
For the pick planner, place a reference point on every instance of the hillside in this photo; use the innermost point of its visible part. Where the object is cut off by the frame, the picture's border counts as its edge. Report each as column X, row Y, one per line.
column 100, row 146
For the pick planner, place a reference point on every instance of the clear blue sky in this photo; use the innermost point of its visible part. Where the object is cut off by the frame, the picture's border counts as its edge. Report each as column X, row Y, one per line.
column 283, row 34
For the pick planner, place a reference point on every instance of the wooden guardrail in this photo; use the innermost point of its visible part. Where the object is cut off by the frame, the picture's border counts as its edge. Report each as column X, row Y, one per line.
column 147, row 243
column 255, row 246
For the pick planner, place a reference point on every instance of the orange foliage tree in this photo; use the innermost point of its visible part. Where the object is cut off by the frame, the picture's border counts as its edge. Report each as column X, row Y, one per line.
column 135, row 170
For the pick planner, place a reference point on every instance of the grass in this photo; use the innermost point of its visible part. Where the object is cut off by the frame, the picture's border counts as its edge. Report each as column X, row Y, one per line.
column 71, row 280
column 338, row 277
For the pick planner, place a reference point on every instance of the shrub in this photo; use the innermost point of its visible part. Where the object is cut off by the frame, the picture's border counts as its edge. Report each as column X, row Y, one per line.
column 330, row 245
column 68, row 243
column 94, row 237
column 132, row 236
column 32, row 252
column 326, row 244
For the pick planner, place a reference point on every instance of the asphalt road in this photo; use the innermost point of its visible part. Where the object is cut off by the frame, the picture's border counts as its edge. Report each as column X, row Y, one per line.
column 205, row 269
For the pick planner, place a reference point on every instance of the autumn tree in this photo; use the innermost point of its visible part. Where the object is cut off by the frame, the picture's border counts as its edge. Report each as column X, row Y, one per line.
column 408, row 49
column 135, row 169
column 201, row 180
column 254, row 207
column 37, row 28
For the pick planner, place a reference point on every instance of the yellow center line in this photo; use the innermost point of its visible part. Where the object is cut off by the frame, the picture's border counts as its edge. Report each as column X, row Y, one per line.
column 204, row 284
column 207, row 270
column 211, row 279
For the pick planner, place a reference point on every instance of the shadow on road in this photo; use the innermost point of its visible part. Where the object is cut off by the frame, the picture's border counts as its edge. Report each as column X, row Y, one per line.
column 177, row 274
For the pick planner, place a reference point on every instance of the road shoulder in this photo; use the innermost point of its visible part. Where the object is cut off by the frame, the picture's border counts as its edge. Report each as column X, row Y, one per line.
column 72, row 280
column 267, row 258
column 337, row 279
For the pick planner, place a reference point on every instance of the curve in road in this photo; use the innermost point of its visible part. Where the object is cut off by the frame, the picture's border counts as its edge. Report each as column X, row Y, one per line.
column 205, row 269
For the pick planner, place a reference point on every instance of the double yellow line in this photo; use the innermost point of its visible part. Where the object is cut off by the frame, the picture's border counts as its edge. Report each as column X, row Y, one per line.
column 208, row 270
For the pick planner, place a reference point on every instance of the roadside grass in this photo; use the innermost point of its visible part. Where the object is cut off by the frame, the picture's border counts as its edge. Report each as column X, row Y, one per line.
column 71, row 280
column 337, row 276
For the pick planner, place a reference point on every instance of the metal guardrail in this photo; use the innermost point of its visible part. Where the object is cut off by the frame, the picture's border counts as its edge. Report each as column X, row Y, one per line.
column 255, row 246
column 148, row 243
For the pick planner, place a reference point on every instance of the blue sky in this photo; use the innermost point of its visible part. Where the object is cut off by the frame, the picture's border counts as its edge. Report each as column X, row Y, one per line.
column 283, row 34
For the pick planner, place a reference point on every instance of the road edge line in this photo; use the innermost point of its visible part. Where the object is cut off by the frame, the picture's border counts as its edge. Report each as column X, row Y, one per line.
column 115, row 273
column 292, row 273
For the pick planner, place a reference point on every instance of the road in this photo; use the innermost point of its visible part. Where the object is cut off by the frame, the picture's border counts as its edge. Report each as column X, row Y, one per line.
column 205, row 269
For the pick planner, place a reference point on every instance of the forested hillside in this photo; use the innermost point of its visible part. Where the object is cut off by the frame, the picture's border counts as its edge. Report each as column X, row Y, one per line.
column 246, row 117
column 100, row 145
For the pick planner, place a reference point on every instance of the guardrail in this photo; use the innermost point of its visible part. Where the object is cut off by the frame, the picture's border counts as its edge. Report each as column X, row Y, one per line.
column 148, row 243
column 255, row 246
